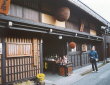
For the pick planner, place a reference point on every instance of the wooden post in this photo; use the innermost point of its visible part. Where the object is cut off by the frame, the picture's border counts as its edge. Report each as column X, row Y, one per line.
column 105, row 56
column 3, row 61
column 41, row 56
column 81, row 59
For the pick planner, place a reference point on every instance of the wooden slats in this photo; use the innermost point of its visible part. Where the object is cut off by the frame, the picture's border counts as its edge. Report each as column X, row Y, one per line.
column 27, row 3
column 18, row 68
column 18, row 49
column 79, row 59
column 23, row 12
column 71, row 25
column 36, row 51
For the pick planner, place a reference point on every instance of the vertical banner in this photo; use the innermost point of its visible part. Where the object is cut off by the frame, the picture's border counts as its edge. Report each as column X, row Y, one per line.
column 36, row 51
column 4, row 6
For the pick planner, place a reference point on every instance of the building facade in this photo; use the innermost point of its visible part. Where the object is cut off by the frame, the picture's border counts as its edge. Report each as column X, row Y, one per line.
column 34, row 30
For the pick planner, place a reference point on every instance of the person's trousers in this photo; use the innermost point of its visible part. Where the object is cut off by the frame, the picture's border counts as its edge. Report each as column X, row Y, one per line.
column 94, row 65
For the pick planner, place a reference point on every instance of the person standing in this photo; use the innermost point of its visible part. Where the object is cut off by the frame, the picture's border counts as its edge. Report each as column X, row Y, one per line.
column 93, row 58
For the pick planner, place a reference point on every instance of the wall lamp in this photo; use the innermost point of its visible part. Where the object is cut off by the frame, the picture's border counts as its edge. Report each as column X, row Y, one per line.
column 103, row 27
column 60, row 37
column 10, row 24
column 88, row 37
column 76, row 35
column 50, row 30
column 106, row 29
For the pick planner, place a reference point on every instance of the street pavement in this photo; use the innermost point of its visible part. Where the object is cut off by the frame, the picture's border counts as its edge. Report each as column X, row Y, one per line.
column 94, row 78
column 55, row 79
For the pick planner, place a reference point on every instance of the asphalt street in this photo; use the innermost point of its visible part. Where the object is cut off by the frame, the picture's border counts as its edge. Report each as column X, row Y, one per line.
column 102, row 77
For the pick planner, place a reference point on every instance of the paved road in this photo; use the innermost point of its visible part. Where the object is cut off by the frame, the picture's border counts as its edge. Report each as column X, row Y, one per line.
column 100, row 78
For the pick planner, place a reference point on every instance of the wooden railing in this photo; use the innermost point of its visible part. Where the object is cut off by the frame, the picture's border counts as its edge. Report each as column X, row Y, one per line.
column 78, row 59
column 85, row 58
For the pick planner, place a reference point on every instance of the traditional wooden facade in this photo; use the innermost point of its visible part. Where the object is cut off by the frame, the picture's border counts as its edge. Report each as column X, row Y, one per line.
column 107, row 47
column 30, row 32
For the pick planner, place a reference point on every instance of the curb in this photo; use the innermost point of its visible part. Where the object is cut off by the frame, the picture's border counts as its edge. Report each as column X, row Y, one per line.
column 90, row 70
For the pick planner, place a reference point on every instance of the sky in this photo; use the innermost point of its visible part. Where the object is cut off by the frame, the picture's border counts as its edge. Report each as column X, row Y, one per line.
column 102, row 7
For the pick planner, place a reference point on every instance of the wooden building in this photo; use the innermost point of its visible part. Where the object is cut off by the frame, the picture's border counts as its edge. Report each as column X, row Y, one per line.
column 31, row 31
column 107, row 47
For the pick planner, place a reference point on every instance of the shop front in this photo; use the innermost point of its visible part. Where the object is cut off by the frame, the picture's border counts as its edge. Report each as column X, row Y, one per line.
column 59, row 57
column 55, row 55
column 23, row 58
column 35, row 38
column 20, row 56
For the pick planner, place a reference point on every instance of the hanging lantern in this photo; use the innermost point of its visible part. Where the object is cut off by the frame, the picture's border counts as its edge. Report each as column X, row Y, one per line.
column 72, row 44
column 62, row 14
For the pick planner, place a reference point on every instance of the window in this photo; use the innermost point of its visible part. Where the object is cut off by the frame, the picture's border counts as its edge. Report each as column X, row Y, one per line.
column 18, row 49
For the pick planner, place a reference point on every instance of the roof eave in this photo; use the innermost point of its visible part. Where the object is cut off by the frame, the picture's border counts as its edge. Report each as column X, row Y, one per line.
column 85, row 8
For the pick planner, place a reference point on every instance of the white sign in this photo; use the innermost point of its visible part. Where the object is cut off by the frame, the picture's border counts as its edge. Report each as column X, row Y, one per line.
column 0, row 48
column 84, row 47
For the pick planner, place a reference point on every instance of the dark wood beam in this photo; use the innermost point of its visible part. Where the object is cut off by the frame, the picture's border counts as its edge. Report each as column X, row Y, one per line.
column 21, row 24
column 3, row 61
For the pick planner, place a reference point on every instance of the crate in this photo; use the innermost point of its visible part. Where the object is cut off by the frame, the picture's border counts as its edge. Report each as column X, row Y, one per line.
column 65, row 70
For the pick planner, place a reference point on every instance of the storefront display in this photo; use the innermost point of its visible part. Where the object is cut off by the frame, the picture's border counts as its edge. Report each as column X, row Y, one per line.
column 58, row 65
column 65, row 70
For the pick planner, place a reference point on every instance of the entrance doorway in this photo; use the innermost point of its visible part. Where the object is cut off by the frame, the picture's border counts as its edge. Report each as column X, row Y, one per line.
column 108, row 50
column 53, row 48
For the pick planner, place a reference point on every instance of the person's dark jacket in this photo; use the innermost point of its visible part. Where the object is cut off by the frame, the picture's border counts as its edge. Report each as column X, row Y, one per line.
column 93, row 54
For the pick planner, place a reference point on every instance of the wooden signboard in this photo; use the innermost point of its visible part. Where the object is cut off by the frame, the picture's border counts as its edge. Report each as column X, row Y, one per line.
column 84, row 47
column 36, row 51
column 93, row 32
column 4, row 6
column 51, row 20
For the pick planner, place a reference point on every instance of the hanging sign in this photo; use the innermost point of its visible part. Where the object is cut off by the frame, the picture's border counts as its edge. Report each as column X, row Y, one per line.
column 0, row 48
column 84, row 47
column 4, row 6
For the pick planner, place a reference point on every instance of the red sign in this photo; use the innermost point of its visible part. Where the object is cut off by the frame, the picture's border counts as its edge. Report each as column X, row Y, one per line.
column 4, row 6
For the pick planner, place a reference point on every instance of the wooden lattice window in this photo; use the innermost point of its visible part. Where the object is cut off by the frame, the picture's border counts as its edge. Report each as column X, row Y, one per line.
column 18, row 49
